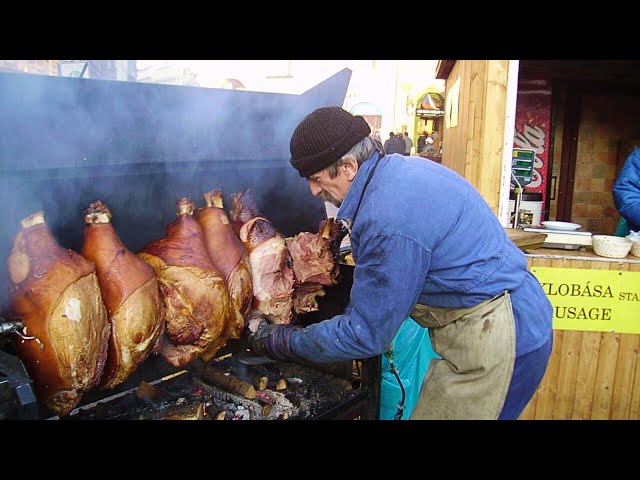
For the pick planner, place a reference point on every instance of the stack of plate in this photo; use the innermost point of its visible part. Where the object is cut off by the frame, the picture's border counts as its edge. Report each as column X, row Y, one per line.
column 563, row 235
column 561, row 226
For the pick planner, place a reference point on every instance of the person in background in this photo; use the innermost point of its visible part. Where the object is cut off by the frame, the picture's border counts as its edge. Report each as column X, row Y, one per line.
column 428, row 145
column 394, row 144
column 421, row 142
column 408, row 144
column 626, row 192
column 425, row 245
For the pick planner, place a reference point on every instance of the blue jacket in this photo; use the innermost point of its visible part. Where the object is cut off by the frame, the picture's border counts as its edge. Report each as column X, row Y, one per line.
column 626, row 191
column 422, row 234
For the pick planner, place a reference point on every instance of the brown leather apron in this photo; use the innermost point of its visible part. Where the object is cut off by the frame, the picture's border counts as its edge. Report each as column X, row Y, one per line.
column 477, row 346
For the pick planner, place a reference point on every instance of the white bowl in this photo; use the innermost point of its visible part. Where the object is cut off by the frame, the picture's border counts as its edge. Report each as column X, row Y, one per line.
column 610, row 246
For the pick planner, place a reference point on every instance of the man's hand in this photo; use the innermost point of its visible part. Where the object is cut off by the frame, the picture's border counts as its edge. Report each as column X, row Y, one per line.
column 269, row 339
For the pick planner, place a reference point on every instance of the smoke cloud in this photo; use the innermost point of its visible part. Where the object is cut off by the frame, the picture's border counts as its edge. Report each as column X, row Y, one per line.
column 139, row 147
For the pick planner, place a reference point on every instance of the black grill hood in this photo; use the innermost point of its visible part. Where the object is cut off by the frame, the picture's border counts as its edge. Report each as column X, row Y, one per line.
column 138, row 147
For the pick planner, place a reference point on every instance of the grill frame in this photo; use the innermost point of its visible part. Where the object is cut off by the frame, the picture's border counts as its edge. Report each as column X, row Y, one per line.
column 139, row 147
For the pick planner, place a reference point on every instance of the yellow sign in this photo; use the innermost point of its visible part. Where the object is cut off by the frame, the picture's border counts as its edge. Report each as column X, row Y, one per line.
column 592, row 300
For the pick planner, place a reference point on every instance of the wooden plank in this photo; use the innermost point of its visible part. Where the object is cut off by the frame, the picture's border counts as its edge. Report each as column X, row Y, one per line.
column 524, row 239
column 586, row 375
column 605, row 371
column 529, row 413
column 634, row 401
column 584, row 264
column 584, row 369
column 493, row 123
column 540, row 262
column 545, row 403
column 624, row 376
column 605, row 376
column 477, row 96
column 454, row 149
column 560, row 263
column 586, row 255
column 569, row 360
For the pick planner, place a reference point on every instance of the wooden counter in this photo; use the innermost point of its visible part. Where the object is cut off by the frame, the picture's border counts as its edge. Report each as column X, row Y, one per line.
column 591, row 375
column 587, row 254
column 525, row 240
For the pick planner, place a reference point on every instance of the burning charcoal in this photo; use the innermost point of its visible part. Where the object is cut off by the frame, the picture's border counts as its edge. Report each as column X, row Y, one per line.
column 149, row 393
column 267, row 396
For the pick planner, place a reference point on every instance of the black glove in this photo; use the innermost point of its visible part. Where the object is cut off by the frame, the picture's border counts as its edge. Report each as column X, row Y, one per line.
column 270, row 339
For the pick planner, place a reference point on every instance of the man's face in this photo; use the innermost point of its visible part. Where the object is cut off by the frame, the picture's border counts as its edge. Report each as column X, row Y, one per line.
column 329, row 189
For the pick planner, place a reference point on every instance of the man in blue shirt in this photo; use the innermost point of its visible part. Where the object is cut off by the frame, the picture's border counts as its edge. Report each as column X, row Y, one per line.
column 426, row 245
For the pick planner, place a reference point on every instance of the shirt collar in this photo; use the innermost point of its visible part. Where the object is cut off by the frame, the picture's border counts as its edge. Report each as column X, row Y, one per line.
column 351, row 201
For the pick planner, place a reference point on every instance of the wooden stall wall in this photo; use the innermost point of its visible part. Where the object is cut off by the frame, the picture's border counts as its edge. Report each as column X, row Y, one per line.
column 591, row 375
column 474, row 147
column 455, row 137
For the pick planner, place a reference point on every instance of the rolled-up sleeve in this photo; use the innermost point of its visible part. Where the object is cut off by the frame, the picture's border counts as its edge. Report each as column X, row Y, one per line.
column 390, row 272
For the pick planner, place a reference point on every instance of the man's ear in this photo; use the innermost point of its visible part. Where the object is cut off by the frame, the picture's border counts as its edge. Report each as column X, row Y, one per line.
column 350, row 168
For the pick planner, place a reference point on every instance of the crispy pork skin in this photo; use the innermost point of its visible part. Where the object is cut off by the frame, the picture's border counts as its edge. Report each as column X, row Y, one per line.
column 55, row 293
column 130, row 292
column 193, row 291
column 229, row 256
column 270, row 261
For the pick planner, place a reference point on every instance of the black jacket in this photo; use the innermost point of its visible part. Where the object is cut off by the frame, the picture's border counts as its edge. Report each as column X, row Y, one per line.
column 394, row 145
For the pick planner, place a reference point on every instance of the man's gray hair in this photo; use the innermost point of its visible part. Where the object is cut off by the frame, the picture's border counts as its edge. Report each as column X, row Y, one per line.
column 359, row 152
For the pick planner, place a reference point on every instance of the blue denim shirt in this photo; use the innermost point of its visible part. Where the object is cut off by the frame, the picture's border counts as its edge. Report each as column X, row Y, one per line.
column 422, row 234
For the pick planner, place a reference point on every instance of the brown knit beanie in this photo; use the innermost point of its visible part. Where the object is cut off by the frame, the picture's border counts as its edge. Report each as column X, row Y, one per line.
column 323, row 137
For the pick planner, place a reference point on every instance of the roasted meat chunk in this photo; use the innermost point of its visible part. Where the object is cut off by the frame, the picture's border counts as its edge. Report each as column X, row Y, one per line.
column 54, row 291
column 270, row 261
column 229, row 256
column 193, row 291
column 130, row 292
column 315, row 263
